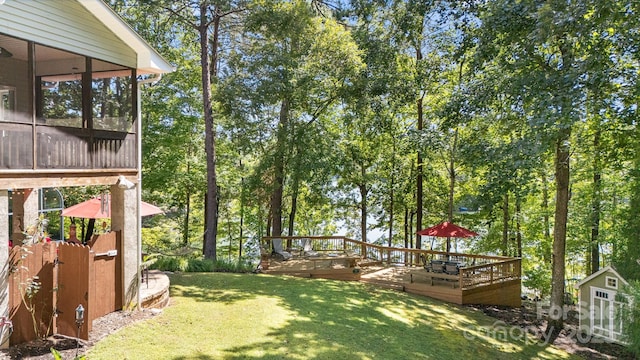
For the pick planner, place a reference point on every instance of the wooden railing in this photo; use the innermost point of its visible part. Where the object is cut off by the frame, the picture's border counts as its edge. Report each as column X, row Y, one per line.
column 65, row 148
column 476, row 270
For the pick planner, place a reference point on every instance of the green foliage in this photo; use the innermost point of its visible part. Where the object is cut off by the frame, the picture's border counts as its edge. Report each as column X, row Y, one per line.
column 160, row 238
column 171, row 263
column 199, row 264
column 628, row 254
column 505, row 75
column 57, row 356
column 539, row 279
column 223, row 265
column 630, row 315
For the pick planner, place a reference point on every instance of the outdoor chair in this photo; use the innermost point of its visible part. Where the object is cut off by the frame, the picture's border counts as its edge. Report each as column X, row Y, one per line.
column 425, row 264
column 307, row 249
column 279, row 252
column 451, row 268
column 437, row 266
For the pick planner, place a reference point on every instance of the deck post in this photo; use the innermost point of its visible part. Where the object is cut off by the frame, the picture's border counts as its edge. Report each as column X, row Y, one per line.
column 491, row 274
column 123, row 218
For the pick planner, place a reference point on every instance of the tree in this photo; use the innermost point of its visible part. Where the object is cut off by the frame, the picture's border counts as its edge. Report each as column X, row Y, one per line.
column 546, row 48
column 304, row 64
column 205, row 17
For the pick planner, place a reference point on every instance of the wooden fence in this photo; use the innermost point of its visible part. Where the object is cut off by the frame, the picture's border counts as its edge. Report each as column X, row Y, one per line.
column 67, row 275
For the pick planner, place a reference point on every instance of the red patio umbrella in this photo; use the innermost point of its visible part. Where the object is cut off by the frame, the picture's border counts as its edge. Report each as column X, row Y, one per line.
column 448, row 230
column 96, row 208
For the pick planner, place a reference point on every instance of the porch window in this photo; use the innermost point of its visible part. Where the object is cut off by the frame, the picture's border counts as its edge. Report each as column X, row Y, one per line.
column 111, row 97
column 50, row 205
column 59, row 96
column 70, row 112
column 7, row 102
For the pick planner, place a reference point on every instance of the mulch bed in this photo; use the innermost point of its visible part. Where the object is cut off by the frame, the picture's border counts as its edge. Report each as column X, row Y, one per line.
column 528, row 318
column 108, row 324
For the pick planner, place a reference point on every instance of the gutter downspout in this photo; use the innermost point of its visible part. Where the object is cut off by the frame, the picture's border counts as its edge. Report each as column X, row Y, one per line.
column 152, row 81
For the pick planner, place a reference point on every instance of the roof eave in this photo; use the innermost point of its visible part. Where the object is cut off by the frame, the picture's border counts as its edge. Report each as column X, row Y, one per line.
column 149, row 61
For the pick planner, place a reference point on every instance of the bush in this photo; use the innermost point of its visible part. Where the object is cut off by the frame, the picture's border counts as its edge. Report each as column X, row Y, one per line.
column 539, row 279
column 631, row 316
column 233, row 266
column 191, row 264
column 171, row 263
column 200, row 265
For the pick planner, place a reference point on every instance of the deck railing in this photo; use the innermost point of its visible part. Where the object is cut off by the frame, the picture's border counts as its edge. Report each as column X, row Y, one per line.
column 65, row 148
column 475, row 270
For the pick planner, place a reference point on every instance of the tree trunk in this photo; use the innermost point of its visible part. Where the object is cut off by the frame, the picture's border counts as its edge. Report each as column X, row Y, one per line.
column 411, row 214
column 241, row 216
column 187, row 215
column 505, row 225
column 596, row 206
column 420, row 168
column 185, row 225
column 452, row 182
column 292, row 212
column 518, row 232
column 209, row 69
column 406, row 232
column 391, row 213
column 406, row 227
column 364, row 192
column 278, row 188
column 555, row 324
column 294, row 194
column 546, row 245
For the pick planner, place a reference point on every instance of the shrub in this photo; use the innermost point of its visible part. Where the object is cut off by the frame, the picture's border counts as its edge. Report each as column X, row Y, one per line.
column 171, row 263
column 233, row 266
column 200, row 265
column 539, row 279
column 191, row 264
column 631, row 316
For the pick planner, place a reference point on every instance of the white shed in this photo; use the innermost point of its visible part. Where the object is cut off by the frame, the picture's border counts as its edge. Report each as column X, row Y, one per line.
column 598, row 305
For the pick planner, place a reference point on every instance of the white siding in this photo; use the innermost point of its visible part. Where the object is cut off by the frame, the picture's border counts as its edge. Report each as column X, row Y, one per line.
column 66, row 25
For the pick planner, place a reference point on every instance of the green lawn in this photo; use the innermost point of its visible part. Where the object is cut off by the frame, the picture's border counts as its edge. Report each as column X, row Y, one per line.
column 233, row 316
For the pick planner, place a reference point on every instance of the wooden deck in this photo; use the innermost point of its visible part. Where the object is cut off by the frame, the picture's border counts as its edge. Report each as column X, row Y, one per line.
column 489, row 280
column 337, row 267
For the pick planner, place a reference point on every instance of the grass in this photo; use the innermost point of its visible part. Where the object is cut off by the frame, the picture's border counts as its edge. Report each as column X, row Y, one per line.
column 248, row 316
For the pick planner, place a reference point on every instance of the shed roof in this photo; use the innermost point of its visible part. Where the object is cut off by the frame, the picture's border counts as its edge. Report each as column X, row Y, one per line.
column 598, row 273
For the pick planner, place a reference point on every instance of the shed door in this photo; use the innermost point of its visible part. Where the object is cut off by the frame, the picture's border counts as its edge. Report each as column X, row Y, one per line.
column 604, row 307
